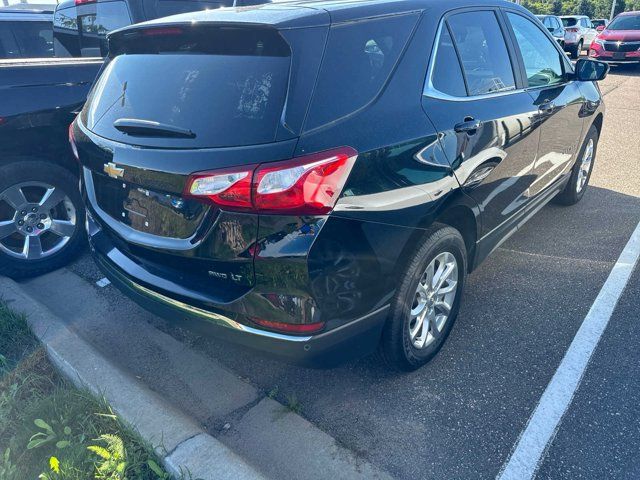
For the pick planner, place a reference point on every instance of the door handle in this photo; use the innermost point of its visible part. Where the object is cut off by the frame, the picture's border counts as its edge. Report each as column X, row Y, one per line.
column 547, row 107
column 469, row 126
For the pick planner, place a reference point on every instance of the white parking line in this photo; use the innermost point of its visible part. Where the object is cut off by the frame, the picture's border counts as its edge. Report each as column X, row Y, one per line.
column 543, row 423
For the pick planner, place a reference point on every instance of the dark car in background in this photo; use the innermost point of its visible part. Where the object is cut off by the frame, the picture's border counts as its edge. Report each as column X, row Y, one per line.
column 555, row 27
column 26, row 33
column 81, row 26
column 330, row 192
column 619, row 43
column 41, row 213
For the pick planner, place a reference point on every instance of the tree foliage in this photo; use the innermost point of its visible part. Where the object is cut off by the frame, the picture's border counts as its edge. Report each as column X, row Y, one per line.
column 591, row 8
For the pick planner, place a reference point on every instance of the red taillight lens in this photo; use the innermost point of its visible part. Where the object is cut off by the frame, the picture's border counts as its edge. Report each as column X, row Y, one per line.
column 72, row 142
column 308, row 185
column 82, row 2
column 290, row 327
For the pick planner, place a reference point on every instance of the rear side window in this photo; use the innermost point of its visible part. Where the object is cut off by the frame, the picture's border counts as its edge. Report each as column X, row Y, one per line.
column 27, row 39
column 66, row 38
column 541, row 58
column 227, row 86
column 35, row 39
column 103, row 18
column 8, row 45
column 483, row 52
column 446, row 76
column 358, row 60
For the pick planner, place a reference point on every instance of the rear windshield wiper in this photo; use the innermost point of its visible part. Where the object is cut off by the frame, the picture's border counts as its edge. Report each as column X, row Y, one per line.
column 149, row 128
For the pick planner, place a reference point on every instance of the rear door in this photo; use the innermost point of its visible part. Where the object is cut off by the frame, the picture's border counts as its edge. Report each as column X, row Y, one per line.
column 558, row 101
column 474, row 97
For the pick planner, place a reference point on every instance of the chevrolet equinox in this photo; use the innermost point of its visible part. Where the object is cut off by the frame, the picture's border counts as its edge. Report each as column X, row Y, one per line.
column 315, row 180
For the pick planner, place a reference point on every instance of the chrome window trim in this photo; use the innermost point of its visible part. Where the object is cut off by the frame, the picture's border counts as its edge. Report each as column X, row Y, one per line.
column 432, row 92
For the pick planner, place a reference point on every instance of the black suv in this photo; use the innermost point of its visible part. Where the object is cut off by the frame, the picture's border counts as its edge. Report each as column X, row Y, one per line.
column 314, row 179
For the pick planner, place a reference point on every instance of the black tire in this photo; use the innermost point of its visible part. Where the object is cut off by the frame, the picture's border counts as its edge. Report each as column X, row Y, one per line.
column 58, row 177
column 575, row 52
column 570, row 195
column 396, row 347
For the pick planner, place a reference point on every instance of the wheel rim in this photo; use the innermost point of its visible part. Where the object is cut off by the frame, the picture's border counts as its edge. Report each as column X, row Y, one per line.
column 585, row 166
column 433, row 300
column 36, row 220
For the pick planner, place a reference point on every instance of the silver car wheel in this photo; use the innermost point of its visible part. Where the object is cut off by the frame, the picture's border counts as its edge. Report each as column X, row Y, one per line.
column 585, row 166
column 433, row 300
column 39, row 224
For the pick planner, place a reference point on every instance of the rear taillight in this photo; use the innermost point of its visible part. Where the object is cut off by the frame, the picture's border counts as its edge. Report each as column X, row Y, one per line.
column 308, row 185
column 82, row 2
column 299, row 328
column 72, row 142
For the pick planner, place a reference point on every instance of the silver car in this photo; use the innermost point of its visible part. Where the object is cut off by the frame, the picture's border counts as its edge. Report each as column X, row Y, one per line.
column 578, row 34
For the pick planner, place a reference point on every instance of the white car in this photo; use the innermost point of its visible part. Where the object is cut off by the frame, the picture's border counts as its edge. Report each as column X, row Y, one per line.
column 578, row 34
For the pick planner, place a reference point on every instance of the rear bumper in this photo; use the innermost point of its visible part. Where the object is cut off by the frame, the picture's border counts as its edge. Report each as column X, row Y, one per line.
column 326, row 349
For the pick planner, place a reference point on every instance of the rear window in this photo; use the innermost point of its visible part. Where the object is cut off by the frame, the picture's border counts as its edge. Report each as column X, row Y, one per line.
column 164, row 8
column 226, row 86
column 569, row 22
column 358, row 60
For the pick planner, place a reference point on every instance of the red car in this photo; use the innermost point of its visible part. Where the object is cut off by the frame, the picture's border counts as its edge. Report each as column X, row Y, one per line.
column 620, row 41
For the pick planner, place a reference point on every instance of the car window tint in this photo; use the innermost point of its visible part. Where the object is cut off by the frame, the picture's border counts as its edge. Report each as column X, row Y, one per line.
column 357, row 62
column 483, row 52
column 541, row 58
column 94, row 26
column 446, row 76
column 66, row 39
column 569, row 22
column 8, row 45
column 35, row 39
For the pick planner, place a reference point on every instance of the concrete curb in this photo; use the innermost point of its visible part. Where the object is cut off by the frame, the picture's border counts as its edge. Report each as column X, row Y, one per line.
column 178, row 440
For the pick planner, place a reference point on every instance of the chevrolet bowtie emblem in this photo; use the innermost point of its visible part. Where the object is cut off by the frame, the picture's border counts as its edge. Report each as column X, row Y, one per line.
column 113, row 171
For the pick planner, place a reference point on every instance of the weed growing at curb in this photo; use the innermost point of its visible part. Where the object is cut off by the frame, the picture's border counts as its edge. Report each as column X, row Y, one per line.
column 49, row 430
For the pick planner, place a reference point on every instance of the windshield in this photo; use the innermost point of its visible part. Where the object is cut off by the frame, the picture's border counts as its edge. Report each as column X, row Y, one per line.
column 569, row 22
column 626, row 22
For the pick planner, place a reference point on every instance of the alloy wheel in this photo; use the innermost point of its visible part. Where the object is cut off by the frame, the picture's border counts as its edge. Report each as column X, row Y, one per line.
column 36, row 220
column 585, row 166
column 433, row 300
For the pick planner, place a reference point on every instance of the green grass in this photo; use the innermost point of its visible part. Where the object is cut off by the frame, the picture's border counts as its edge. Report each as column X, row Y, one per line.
column 51, row 430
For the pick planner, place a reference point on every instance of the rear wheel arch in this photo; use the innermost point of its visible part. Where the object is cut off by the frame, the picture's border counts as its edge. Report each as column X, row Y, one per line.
column 464, row 221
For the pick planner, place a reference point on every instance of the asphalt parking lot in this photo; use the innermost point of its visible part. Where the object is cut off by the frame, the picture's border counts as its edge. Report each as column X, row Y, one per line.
column 461, row 415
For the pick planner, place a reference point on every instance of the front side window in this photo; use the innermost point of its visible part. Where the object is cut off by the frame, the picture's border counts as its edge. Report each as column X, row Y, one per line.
column 483, row 52
column 541, row 58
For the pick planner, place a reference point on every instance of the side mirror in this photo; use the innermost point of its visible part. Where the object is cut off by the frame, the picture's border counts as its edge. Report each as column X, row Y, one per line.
column 551, row 29
column 600, row 28
column 591, row 70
